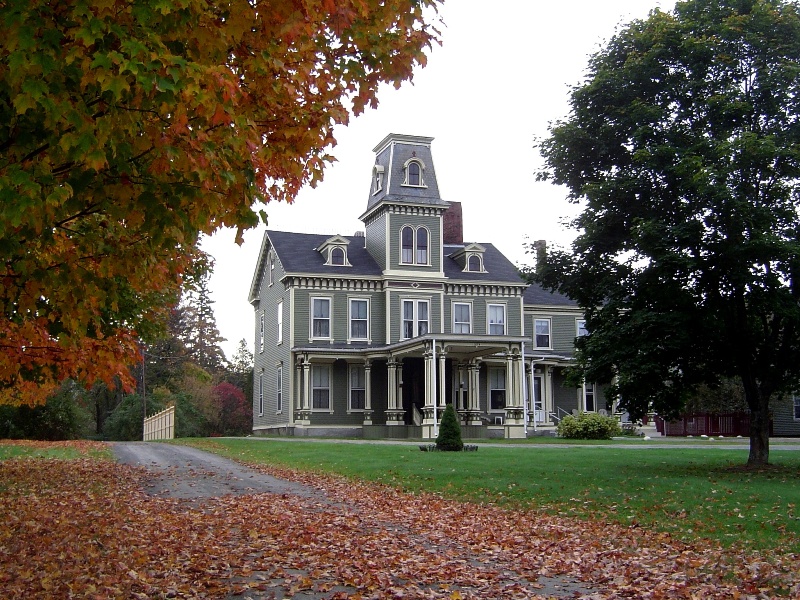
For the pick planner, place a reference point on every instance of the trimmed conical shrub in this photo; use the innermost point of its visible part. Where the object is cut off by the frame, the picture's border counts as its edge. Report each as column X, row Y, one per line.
column 449, row 438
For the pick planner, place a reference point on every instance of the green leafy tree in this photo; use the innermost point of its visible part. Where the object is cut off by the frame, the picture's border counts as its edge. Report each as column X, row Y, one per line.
column 129, row 129
column 449, row 438
column 684, row 145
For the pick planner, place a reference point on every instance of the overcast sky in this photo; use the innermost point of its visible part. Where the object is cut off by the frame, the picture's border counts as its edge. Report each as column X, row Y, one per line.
column 500, row 77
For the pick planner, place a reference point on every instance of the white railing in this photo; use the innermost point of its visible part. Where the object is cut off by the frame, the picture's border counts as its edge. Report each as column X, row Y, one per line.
column 160, row 426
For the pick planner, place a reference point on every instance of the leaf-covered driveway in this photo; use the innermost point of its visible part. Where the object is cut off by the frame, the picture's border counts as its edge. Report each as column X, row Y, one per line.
column 87, row 528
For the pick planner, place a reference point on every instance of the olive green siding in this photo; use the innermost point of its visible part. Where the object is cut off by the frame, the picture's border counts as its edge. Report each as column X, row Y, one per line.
column 376, row 240
column 562, row 329
column 396, row 224
column 396, row 311
column 783, row 421
column 480, row 325
column 266, row 361
column 340, row 315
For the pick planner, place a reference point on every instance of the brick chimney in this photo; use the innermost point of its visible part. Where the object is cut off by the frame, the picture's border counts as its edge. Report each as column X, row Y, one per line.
column 541, row 254
column 453, row 224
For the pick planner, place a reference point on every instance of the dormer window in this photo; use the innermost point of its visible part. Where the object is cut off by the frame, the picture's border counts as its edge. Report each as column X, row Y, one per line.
column 377, row 179
column 470, row 258
column 337, row 256
column 414, row 244
column 334, row 250
column 414, row 169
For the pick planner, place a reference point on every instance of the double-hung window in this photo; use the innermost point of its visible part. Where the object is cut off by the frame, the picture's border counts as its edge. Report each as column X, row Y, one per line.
column 497, row 388
column 320, row 387
column 796, row 402
column 279, row 389
column 414, row 245
column 580, row 327
column 279, row 315
column 497, row 319
column 541, row 330
column 462, row 317
column 260, row 394
column 358, row 388
column 588, row 397
column 359, row 319
column 321, row 318
column 415, row 318
column 261, row 325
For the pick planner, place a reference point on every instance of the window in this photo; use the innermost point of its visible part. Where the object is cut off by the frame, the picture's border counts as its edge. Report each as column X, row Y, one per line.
column 271, row 268
column 320, row 387
column 422, row 246
column 359, row 321
column 261, row 333
column 337, row 256
column 415, row 318
column 260, row 394
column 414, row 244
column 580, row 327
column 588, row 397
column 279, row 389
column 541, row 329
column 537, row 393
column 321, row 318
column 358, row 388
column 474, row 263
column 279, row 316
column 462, row 320
column 497, row 319
column 796, row 400
column 407, row 245
column 497, row 389
column 414, row 173
column 378, row 180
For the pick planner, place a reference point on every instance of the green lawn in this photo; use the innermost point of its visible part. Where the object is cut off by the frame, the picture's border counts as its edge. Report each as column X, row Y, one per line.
column 687, row 492
column 67, row 451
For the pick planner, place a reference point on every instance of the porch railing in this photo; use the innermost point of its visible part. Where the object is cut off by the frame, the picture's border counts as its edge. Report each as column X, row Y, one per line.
column 416, row 415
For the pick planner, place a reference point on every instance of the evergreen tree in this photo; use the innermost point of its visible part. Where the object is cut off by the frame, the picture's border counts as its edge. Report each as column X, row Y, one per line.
column 449, row 438
column 200, row 333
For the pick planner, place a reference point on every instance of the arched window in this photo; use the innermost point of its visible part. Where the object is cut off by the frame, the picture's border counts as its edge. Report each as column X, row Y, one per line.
column 422, row 246
column 414, row 173
column 474, row 263
column 337, row 256
column 407, row 245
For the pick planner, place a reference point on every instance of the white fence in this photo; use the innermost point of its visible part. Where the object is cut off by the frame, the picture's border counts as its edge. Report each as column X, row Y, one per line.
column 160, row 426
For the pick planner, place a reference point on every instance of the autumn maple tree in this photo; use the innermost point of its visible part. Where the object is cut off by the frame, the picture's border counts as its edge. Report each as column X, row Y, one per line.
column 128, row 129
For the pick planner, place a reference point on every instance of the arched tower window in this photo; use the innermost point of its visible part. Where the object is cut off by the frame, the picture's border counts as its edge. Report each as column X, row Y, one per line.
column 414, row 170
column 422, row 246
column 407, row 245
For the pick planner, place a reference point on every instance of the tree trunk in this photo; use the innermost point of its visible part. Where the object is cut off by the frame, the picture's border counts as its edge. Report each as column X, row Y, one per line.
column 759, row 432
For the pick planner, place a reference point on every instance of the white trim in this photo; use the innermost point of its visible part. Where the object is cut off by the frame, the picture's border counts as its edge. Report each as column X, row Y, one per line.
column 549, row 333
column 578, row 327
column 406, row 165
column 328, row 368
column 468, row 303
column 312, row 299
column 489, row 306
column 261, row 332
column 279, row 390
column 415, row 320
column 350, row 388
column 279, row 317
column 261, row 394
column 350, row 301
column 489, row 389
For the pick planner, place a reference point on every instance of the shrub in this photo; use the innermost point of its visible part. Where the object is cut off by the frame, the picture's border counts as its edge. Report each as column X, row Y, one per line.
column 449, row 431
column 588, row 426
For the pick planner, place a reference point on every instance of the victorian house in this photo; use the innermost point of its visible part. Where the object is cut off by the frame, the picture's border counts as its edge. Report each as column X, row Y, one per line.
column 371, row 335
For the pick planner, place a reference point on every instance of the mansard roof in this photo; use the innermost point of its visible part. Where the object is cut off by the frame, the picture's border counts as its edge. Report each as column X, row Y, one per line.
column 393, row 154
column 496, row 266
column 298, row 253
column 537, row 295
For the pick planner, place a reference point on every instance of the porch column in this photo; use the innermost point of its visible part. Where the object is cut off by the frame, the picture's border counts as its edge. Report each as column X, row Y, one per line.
column 529, row 374
column 442, row 383
column 514, row 421
column 305, row 412
column 394, row 416
column 473, row 391
column 547, row 390
column 430, row 394
column 367, row 392
column 461, row 386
